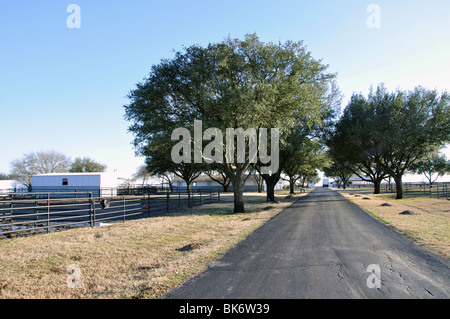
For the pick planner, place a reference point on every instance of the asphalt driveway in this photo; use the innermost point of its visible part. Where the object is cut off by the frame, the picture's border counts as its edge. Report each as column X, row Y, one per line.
column 323, row 246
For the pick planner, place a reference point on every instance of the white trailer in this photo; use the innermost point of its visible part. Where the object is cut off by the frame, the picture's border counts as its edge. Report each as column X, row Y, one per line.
column 100, row 184
column 326, row 182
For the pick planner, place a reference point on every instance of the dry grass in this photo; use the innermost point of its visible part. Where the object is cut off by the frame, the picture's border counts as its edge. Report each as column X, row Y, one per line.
column 430, row 228
column 136, row 259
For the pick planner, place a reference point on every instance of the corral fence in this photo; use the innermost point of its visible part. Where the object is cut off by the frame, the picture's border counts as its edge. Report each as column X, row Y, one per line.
column 96, row 191
column 34, row 213
column 435, row 190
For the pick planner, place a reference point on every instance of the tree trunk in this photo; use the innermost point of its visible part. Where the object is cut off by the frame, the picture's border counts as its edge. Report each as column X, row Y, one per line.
column 399, row 185
column 429, row 178
column 259, row 181
column 270, row 183
column 225, row 187
column 238, row 188
column 304, row 180
column 260, row 186
column 188, row 186
column 292, row 187
column 377, row 187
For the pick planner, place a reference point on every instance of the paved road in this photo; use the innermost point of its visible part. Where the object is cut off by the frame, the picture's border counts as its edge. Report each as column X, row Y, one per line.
column 321, row 247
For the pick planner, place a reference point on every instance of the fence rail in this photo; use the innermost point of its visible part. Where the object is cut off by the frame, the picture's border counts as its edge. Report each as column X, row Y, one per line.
column 96, row 191
column 436, row 190
column 33, row 213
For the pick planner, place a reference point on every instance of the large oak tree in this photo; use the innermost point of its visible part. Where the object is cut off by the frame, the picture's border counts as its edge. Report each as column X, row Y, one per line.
column 235, row 84
column 387, row 132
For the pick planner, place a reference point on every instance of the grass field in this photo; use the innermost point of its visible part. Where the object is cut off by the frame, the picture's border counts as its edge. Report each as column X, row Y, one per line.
column 135, row 259
column 147, row 257
column 428, row 227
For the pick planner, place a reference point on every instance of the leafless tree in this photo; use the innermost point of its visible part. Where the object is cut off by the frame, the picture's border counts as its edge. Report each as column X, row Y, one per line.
column 142, row 173
column 42, row 162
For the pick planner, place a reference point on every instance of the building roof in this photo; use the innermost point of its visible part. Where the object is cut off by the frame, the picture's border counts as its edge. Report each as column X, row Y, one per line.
column 68, row 174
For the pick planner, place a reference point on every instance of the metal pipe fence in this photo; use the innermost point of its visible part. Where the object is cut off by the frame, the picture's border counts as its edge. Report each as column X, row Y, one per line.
column 34, row 213
column 435, row 190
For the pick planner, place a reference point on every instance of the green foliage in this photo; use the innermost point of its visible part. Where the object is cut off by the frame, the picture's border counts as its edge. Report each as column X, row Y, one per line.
column 158, row 162
column 387, row 132
column 432, row 166
column 305, row 159
column 233, row 84
column 340, row 172
column 86, row 165
column 356, row 141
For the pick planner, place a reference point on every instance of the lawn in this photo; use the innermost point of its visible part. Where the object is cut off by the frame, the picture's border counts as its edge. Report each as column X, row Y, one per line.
column 133, row 259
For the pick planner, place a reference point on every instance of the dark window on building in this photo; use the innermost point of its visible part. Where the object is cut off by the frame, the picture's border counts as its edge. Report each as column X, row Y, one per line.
column 65, row 181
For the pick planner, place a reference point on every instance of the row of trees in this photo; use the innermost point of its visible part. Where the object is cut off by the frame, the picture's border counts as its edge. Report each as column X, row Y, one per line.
column 300, row 171
column 244, row 84
column 388, row 134
column 44, row 162
column 253, row 85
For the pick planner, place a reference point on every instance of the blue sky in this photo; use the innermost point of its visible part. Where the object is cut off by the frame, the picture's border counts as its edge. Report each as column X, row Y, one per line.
column 64, row 89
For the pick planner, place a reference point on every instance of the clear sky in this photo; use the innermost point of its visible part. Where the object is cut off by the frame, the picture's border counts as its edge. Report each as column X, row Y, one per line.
column 64, row 88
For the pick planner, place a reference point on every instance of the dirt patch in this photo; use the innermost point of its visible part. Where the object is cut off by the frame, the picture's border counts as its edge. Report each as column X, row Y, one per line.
column 189, row 247
column 409, row 212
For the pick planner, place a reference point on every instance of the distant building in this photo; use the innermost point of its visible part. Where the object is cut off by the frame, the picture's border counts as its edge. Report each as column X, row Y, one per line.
column 100, row 184
column 11, row 186
column 205, row 182
column 354, row 181
column 357, row 181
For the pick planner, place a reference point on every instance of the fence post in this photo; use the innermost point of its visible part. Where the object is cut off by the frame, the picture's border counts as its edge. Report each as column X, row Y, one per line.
column 124, row 208
column 148, row 204
column 91, row 210
column 48, row 213
column 189, row 198
column 36, row 209
column 11, row 209
column 168, row 199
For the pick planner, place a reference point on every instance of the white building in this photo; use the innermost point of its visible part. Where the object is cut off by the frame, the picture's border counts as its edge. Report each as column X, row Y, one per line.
column 100, row 184
column 205, row 182
column 7, row 186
